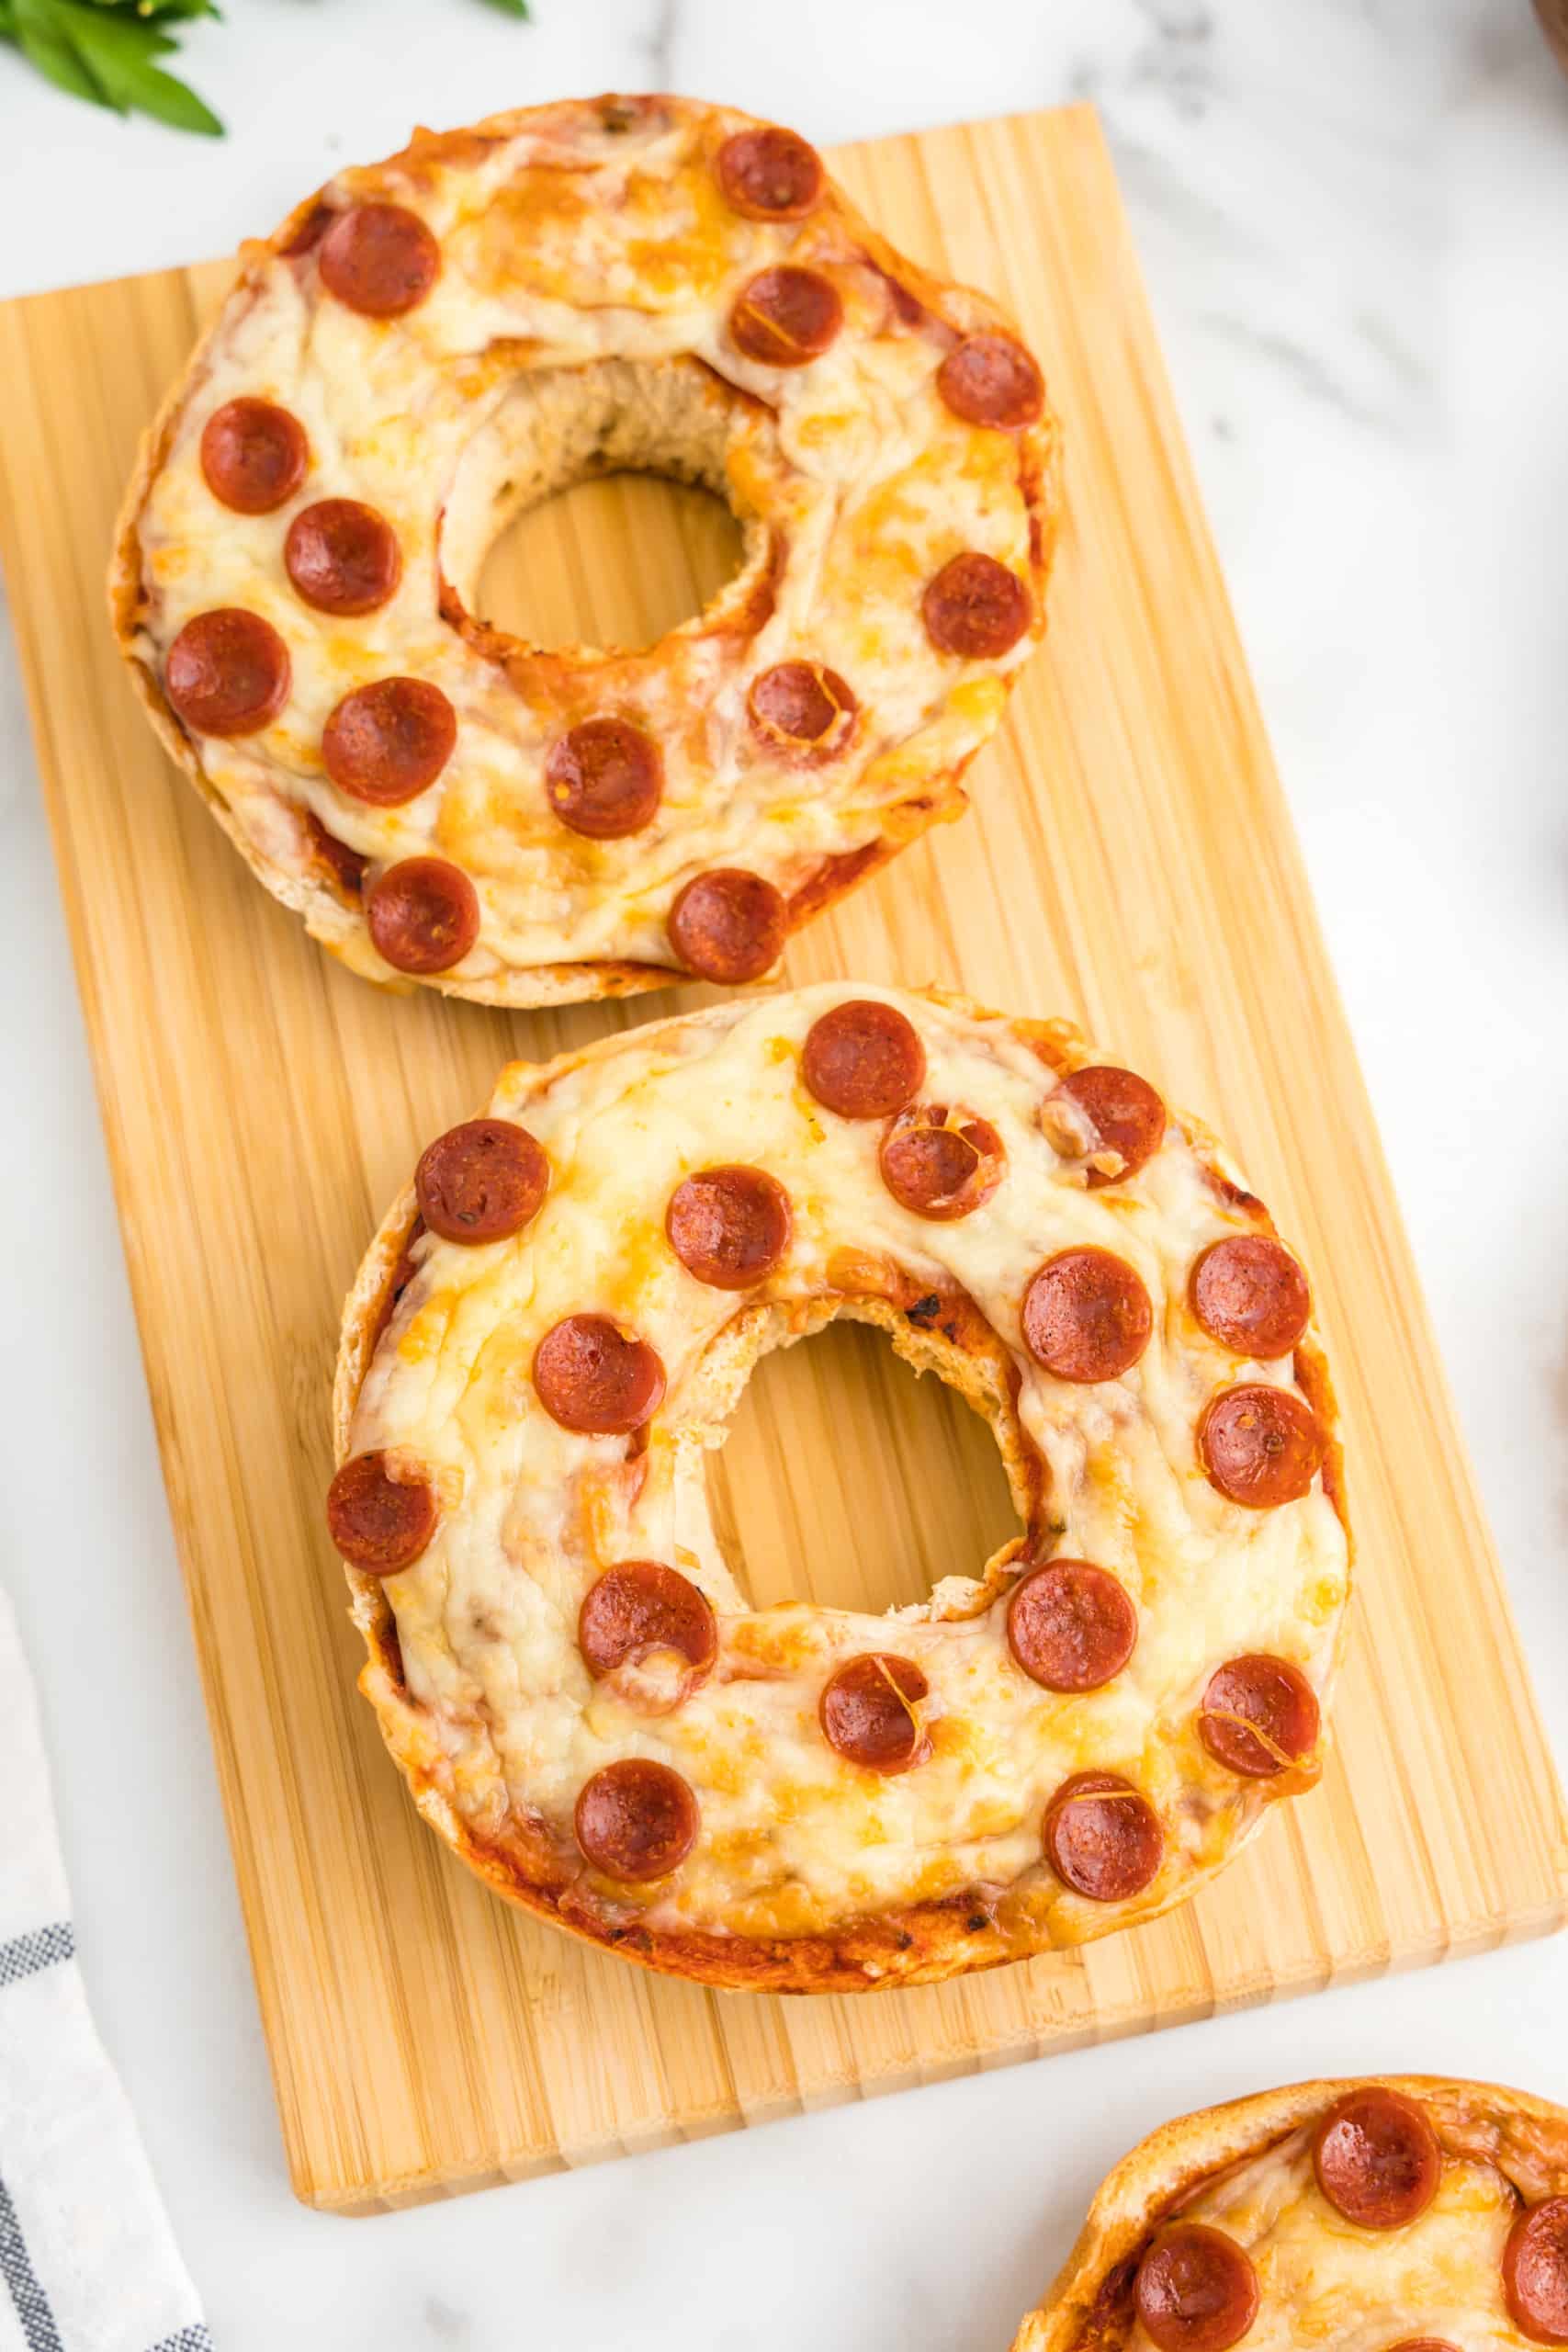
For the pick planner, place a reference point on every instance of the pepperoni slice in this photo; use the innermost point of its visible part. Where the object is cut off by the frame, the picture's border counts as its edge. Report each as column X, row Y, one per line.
column 606, row 779
column 1266, row 1692
column 1196, row 2289
column 1424, row 2344
column 992, row 379
column 423, row 915
column 866, row 1712
column 380, row 259
column 1071, row 1626
column 1377, row 2159
column 729, row 1226
column 1249, row 1294
column 635, row 1819
column 590, row 1377
column 804, row 707
column 639, row 1606
column 1260, row 1446
column 342, row 557
column 380, row 1522
column 1102, row 1839
column 226, row 672
column 1086, row 1316
column 976, row 608
column 942, row 1164
column 863, row 1059
column 1535, row 2272
column 1125, row 1113
column 785, row 317
column 769, row 174
column 253, row 455
column 728, row 926
column 481, row 1181
column 386, row 742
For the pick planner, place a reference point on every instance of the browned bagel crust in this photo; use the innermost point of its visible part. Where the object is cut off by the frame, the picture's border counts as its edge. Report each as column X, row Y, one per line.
column 1525, row 2137
column 925, row 1943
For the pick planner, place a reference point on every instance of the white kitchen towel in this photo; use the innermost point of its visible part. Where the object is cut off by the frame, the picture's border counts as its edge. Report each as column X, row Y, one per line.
column 88, row 2260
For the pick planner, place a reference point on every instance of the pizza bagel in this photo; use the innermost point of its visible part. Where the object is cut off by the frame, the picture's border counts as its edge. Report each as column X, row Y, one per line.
column 551, row 1330
column 1401, row 2213
column 433, row 344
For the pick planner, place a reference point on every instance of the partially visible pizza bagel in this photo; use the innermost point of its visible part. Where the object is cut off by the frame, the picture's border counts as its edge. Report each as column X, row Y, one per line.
column 1398, row 2213
column 433, row 344
column 551, row 1330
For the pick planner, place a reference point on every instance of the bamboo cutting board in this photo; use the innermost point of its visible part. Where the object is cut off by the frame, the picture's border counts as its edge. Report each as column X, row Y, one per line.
column 1129, row 862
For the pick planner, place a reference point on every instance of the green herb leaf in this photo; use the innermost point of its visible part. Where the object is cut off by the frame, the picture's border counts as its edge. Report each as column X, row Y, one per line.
column 97, row 50
column 166, row 10
column 115, row 39
column 103, row 51
column 32, row 28
column 58, row 62
column 119, row 49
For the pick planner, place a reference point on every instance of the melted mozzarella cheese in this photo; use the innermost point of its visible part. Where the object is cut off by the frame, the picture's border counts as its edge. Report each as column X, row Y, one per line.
column 1323, row 2282
column 564, row 254
column 793, row 1837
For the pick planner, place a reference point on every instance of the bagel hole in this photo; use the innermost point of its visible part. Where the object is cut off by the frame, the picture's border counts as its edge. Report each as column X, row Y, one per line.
column 590, row 508
column 620, row 560
column 848, row 1482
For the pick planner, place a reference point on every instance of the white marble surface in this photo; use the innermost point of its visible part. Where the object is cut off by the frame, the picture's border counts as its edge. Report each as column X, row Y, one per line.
column 1351, row 214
